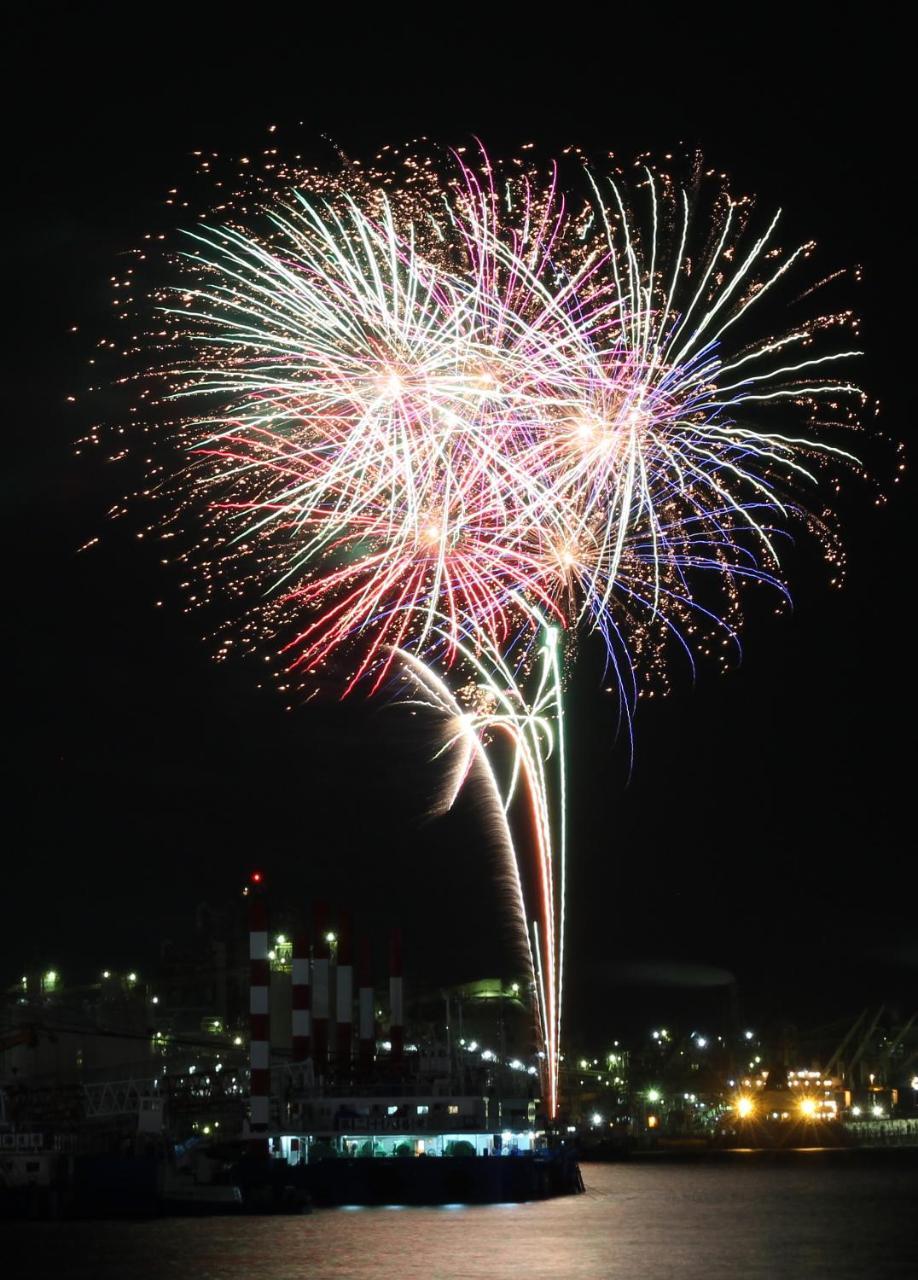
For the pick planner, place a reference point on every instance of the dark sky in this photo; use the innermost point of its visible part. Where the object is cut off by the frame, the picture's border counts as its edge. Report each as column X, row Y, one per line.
column 765, row 829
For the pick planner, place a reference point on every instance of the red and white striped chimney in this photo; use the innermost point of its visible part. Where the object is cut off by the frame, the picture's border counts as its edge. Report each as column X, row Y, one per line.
column 344, row 996
column 259, row 1009
column 302, row 1030
column 396, row 998
column 320, row 976
column 367, row 1024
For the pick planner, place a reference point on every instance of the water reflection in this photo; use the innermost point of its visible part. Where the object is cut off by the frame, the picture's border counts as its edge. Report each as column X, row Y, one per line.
column 809, row 1215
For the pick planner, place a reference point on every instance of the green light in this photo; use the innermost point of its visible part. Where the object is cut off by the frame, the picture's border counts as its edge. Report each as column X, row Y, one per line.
column 653, row 1095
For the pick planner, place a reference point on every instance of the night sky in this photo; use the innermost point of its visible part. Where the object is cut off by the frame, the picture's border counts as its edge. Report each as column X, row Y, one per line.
column 765, row 831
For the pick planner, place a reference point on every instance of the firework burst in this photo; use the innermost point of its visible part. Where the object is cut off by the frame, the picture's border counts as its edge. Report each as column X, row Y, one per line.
column 454, row 416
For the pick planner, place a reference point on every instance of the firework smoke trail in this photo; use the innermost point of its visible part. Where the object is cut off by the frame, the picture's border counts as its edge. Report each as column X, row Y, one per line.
column 452, row 420
column 534, row 728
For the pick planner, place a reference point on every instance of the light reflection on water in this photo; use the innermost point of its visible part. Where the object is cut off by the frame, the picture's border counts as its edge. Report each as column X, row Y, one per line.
column 806, row 1216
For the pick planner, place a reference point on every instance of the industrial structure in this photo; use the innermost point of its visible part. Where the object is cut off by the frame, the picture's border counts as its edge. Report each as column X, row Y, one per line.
column 250, row 1041
column 262, row 1048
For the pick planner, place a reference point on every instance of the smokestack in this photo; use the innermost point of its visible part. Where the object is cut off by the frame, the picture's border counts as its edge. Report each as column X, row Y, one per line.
column 320, row 968
column 344, row 1003
column 302, row 1029
column 259, row 1016
column 396, row 999
column 367, row 1025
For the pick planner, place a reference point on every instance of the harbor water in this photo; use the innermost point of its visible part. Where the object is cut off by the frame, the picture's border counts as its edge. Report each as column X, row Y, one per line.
column 797, row 1215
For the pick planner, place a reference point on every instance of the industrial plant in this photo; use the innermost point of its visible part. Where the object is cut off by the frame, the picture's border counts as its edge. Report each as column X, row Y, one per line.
column 263, row 1063
column 263, row 1067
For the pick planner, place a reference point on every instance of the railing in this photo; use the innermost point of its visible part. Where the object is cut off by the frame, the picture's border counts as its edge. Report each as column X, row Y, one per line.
column 885, row 1133
column 406, row 1124
column 109, row 1098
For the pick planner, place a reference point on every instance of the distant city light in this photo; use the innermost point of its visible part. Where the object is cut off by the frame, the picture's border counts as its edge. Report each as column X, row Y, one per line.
column 749, row 1035
column 808, row 1106
column 653, row 1095
column 281, row 939
column 106, row 973
column 237, row 1039
column 595, row 1118
column 878, row 1112
column 331, row 937
column 745, row 1107
column 701, row 1042
column 855, row 1111
column 132, row 977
